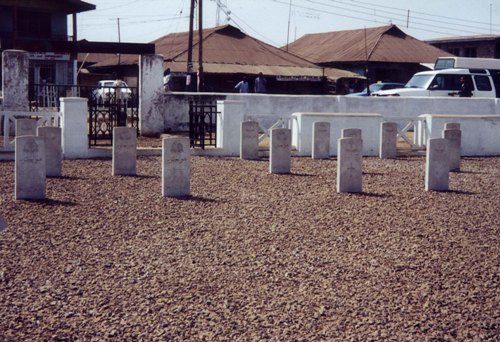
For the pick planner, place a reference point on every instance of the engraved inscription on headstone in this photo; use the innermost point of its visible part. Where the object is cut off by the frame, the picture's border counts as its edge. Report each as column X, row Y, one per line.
column 176, row 167
column 321, row 140
column 388, row 140
column 124, row 151
column 53, row 150
column 280, row 150
column 30, row 179
column 437, row 165
column 349, row 165
column 249, row 146
column 454, row 139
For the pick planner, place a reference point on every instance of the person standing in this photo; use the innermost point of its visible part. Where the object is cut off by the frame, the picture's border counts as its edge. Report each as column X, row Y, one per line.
column 242, row 86
column 260, row 85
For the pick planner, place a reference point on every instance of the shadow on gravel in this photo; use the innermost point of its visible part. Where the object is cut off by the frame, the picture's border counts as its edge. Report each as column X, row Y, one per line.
column 195, row 199
column 52, row 202
column 67, row 177
column 369, row 194
column 460, row 192
column 470, row 172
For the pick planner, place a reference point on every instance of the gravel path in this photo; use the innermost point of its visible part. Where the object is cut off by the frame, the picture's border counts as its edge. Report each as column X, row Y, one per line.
column 253, row 256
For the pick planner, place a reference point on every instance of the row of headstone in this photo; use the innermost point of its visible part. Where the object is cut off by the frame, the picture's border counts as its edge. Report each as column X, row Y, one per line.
column 176, row 161
column 38, row 155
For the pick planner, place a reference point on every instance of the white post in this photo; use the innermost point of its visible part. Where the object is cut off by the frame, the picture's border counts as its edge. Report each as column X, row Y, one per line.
column 228, row 126
column 150, row 88
column 74, row 127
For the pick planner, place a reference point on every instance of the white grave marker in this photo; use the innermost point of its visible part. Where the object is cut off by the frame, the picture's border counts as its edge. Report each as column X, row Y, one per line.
column 249, row 146
column 349, row 165
column 280, row 155
column 53, row 150
column 30, row 179
column 388, row 140
column 124, row 151
column 437, row 165
column 321, row 140
column 176, row 167
column 454, row 138
column 25, row 126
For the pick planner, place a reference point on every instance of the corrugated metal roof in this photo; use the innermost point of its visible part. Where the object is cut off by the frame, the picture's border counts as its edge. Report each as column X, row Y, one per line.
column 379, row 44
column 228, row 50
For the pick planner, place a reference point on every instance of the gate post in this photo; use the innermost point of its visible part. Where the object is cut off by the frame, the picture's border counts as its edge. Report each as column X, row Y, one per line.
column 74, row 127
column 228, row 126
column 15, row 64
column 150, row 89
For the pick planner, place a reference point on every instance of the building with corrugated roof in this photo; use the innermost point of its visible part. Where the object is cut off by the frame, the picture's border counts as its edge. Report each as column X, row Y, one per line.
column 481, row 46
column 387, row 52
column 228, row 55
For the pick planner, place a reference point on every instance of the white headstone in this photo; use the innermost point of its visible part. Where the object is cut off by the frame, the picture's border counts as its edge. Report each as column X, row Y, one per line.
column 176, row 167
column 124, row 151
column 351, row 133
column 25, row 126
column 388, row 140
column 321, row 140
column 280, row 155
column 30, row 180
column 452, row 125
column 437, row 165
column 53, row 150
column 454, row 138
column 349, row 165
column 249, row 146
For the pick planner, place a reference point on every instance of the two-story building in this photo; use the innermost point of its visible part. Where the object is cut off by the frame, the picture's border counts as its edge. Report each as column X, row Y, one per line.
column 36, row 27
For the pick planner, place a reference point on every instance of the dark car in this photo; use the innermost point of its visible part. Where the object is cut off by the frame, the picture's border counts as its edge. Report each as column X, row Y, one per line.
column 374, row 87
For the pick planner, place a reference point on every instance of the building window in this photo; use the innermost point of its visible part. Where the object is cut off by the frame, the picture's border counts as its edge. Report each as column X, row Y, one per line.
column 34, row 24
column 454, row 51
column 470, row 52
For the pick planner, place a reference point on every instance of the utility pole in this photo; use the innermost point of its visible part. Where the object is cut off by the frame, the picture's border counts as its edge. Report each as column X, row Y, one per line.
column 200, row 45
column 190, row 47
column 288, row 31
column 119, row 38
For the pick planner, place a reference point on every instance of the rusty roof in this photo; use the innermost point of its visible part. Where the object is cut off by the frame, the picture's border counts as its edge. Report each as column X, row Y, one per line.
column 379, row 44
column 228, row 50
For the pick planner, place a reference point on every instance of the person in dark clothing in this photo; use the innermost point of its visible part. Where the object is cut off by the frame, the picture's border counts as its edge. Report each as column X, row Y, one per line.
column 465, row 88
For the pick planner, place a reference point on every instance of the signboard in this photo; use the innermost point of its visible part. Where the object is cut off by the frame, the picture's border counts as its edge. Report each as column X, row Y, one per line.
column 49, row 56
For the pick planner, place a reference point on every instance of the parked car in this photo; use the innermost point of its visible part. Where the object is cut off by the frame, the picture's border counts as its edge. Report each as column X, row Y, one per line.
column 105, row 91
column 375, row 87
column 446, row 82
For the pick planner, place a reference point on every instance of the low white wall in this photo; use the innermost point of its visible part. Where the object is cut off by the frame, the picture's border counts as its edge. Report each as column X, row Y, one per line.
column 480, row 133
column 267, row 109
column 369, row 123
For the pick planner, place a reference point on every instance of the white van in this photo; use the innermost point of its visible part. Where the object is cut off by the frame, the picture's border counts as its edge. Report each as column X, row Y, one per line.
column 446, row 82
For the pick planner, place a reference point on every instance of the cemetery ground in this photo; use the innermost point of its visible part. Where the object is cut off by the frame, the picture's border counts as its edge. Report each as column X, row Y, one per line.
column 252, row 255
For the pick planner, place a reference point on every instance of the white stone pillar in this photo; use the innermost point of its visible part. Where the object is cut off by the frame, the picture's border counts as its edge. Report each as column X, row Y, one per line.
column 176, row 167
column 74, row 127
column 437, row 165
column 30, row 177
column 15, row 80
column 124, row 154
column 53, row 150
column 454, row 138
column 280, row 154
column 228, row 126
column 388, row 140
column 349, row 165
column 151, row 121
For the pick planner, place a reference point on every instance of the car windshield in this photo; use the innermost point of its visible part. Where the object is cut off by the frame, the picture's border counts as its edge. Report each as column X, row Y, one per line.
column 375, row 87
column 108, row 84
column 419, row 81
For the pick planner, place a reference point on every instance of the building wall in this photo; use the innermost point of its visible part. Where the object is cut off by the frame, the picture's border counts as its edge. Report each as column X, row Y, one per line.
column 482, row 49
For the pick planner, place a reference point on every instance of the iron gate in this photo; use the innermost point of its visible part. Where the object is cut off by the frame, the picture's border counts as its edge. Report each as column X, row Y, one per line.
column 108, row 110
column 203, row 121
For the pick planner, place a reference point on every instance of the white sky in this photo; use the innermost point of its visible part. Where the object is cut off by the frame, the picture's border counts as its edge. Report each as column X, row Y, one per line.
column 142, row 21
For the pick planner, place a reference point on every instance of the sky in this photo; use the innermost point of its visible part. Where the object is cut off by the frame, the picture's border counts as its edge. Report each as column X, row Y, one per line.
column 278, row 22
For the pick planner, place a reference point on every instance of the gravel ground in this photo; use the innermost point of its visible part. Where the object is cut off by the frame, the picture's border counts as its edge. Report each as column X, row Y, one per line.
column 253, row 256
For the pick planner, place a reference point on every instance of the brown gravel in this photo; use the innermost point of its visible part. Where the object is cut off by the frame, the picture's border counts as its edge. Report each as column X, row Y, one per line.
column 253, row 256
